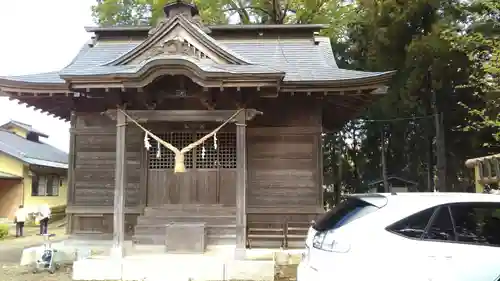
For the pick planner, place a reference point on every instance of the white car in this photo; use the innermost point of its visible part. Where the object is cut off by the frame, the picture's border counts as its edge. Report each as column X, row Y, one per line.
column 406, row 236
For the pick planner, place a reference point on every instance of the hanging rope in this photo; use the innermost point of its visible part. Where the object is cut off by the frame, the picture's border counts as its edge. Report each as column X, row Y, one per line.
column 179, row 154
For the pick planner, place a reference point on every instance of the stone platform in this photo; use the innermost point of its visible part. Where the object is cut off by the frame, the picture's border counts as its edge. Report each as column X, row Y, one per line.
column 217, row 263
column 152, row 263
column 161, row 267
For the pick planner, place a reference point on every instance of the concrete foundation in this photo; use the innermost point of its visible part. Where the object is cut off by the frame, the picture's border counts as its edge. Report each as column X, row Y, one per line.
column 172, row 267
column 92, row 262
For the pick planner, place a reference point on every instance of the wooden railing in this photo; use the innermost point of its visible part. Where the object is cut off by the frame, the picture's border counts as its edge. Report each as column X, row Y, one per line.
column 278, row 227
column 486, row 171
column 283, row 234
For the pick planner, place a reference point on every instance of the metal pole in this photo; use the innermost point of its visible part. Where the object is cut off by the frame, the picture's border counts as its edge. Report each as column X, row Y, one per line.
column 387, row 188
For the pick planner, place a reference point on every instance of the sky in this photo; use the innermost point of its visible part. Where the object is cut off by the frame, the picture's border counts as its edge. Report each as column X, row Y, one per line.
column 40, row 36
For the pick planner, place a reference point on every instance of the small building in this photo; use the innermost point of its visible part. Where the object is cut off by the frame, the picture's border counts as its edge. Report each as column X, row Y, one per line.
column 31, row 172
column 279, row 88
column 396, row 184
column 486, row 172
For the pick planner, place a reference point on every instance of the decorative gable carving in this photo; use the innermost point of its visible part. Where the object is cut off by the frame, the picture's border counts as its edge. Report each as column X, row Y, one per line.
column 175, row 46
column 178, row 35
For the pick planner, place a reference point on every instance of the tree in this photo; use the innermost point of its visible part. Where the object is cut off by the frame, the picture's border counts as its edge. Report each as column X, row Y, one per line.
column 335, row 13
column 478, row 35
column 407, row 36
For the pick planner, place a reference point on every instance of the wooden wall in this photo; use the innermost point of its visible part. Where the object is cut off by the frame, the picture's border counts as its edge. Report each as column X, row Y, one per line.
column 285, row 162
column 91, row 195
column 201, row 186
column 284, row 168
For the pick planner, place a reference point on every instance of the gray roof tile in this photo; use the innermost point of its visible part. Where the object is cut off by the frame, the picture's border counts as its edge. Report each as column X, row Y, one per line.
column 43, row 78
column 36, row 153
column 300, row 59
column 205, row 65
column 24, row 126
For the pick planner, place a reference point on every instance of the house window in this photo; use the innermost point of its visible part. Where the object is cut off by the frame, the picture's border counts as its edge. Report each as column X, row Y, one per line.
column 35, row 190
column 45, row 185
column 53, row 183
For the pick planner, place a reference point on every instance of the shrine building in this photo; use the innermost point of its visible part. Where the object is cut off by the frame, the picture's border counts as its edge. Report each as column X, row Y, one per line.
column 256, row 182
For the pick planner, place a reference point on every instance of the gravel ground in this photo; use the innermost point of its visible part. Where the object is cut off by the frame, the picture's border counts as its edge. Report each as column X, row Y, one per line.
column 14, row 272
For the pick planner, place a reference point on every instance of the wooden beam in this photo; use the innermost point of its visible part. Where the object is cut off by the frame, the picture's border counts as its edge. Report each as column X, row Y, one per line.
column 120, row 184
column 144, row 116
column 71, row 161
column 241, row 185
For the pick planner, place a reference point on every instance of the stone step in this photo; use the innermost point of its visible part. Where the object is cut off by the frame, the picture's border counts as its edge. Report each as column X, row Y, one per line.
column 190, row 206
column 209, row 220
column 159, row 240
column 221, row 229
column 225, row 239
column 144, row 239
column 189, row 212
column 162, row 229
column 159, row 229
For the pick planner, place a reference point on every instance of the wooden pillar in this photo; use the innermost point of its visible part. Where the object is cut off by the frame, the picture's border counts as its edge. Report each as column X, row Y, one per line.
column 120, row 184
column 71, row 172
column 241, row 185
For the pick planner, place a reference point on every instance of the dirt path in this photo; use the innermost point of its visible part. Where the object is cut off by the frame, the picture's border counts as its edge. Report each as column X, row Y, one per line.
column 11, row 250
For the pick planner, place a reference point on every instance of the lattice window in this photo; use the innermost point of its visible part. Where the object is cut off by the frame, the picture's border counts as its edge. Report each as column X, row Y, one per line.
column 227, row 150
column 207, row 156
column 167, row 157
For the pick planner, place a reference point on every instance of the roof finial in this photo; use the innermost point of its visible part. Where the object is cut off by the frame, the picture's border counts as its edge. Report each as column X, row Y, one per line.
column 179, row 7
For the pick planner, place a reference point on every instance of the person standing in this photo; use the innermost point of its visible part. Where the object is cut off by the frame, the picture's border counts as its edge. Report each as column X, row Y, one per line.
column 44, row 219
column 20, row 218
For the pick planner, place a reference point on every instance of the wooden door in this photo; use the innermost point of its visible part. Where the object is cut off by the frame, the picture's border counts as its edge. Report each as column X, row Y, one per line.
column 210, row 176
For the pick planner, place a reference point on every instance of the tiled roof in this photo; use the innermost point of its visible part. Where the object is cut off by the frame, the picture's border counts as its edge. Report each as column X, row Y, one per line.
column 43, row 78
column 302, row 59
column 24, row 126
column 35, row 153
column 205, row 65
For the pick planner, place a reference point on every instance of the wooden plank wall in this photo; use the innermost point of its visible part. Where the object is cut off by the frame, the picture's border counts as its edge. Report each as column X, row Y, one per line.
column 284, row 157
column 94, row 137
column 195, row 186
column 284, row 168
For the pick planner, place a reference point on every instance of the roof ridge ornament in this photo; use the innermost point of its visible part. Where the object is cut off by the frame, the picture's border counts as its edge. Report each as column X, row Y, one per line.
column 179, row 8
column 175, row 46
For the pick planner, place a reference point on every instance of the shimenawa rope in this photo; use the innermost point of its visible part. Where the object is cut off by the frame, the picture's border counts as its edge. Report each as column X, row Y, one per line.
column 179, row 154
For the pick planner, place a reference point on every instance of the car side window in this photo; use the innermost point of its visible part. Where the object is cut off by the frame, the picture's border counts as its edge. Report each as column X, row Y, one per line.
column 414, row 225
column 477, row 223
column 441, row 228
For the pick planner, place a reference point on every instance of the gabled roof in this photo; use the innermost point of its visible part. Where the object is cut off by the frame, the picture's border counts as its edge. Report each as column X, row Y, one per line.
column 301, row 60
column 30, row 152
column 170, row 29
column 23, row 126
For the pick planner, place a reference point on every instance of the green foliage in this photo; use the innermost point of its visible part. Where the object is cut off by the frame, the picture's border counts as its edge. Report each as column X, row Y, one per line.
column 449, row 49
column 480, row 41
column 335, row 13
column 412, row 37
column 4, row 231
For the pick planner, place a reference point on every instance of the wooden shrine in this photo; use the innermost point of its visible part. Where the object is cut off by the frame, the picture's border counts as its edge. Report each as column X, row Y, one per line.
column 257, row 182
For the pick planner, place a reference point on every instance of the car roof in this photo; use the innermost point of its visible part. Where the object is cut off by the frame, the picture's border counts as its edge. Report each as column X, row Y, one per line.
column 429, row 198
column 401, row 205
